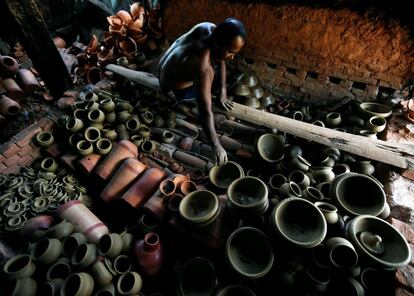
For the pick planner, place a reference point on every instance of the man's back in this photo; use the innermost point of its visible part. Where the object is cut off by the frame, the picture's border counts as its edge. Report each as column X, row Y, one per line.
column 179, row 66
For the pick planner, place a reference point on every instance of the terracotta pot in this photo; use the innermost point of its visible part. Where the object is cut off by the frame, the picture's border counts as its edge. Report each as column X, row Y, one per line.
column 27, row 80
column 119, row 152
column 13, row 89
column 144, row 187
column 249, row 253
column 130, row 169
column 59, row 270
column 315, row 280
column 149, row 254
column 8, row 66
column 88, row 163
column 129, row 284
column 46, row 251
column 8, row 107
column 84, row 220
column 187, row 187
column 21, row 286
column 84, row 256
column 80, row 284
column 19, row 266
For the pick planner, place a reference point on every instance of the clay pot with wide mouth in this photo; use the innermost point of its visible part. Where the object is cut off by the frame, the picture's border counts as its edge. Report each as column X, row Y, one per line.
column 248, row 79
column 19, row 266
column 249, row 253
column 312, row 194
column 110, row 245
column 200, row 208
column 223, row 175
column 84, row 256
column 133, row 124
column 49, row 164
column 61, row 269
column 103, row 146
column 72, row 242
column 102, row 276
column 300, row 178
column 81, row 284
column 271, row 147
column 298, row 222
column 376, row 124
column 342, row 253
column 241, row 90
column 20, row 286
column 369, row 109
column 129, row 283
column 47, row 251
column 122, row 264
column 333, row 119
column 8, row 66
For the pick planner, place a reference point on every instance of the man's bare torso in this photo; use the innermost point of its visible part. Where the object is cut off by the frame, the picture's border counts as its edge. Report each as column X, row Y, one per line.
column 180, row 64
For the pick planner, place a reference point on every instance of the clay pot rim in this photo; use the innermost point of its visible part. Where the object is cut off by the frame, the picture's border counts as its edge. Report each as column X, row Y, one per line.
column 368, row 106
column 260, row 150
column 213, row 208
column 254, row 205
column 216, row 168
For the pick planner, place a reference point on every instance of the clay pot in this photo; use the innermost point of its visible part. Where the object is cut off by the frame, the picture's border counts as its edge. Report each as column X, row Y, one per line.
column 312, row 194
column 200, row 208
column 168, row 137
column 59, row 270
column 148, row 146
column 74, row 125
column 27, row 81
column 103, row 146
column 341, row 168
column 94, row 75
column 329, row 211
column 275, row 181
column 247, row 78
column 44, row 139
column 376, row 124
column 60, row 230
column 323, row 174
column 126, row 241
column 300, row 178
column 363, row 167
column 80, row 114
column 72, row 242
column 251, row 101
column 84, row 220
column 19, row 266
column 119, row 152
column 96, row 116
column 249, row 253
column 395, row 250
column 223, row 175
column 80, row 284
column 341, row 253
column 13, row 89
column 358, row 194
column 271, row 147
column 110, row 245
column 84, row 256
column 349, row 287
column 235, row 290
column 129, row 284
column 107, row 105
column 197, row 277
column 122, row 264
column 241, row 90
column 333, row 119
column 368, row 134
column 148, row 254
column 46, row 251
column 102, row 276
column 110, row 117
column 84, row 147
column 129, row 170
column 289, row 189
column 107, row 291
column 132, row 124
column 248, row 196
column 147, row 117
column 8, row 107
column 369, row 109
column 49, row 164
column 8, row 66
column 187, row 187
column 109, row 133
column 20, row 286
column 144, row 187
column 299, row 222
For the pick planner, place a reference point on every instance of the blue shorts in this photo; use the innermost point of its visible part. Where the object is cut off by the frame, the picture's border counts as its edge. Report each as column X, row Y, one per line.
column 182, row 95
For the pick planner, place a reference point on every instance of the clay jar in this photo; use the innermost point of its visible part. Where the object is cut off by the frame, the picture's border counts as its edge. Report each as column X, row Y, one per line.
column 223, row 175
column 271, row 147
column 129, row 284
column 110, row 245
column 8, row 107
column 148, row 254
column 341, row 253
column 330, row 212
column 27, row 80
column 19, row 266
column 8, row 66
column 200, row 208
column 298, row 222
column 47, row 251
column 119, row 152
column 21, row 286
column 249, row 253
column 80, row 284
column 129, row 170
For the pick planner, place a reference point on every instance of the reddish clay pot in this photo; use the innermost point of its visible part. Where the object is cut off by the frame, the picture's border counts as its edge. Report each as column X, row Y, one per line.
column 8, row 66
column 148, row 254
column 84, row 220
column 87, row 163
column 94, row 75
column 130, row 169
column 120, row 151
column 13, row 89
column 27, row 80
column 2, row 89
column 8, row 107
column 144, row 187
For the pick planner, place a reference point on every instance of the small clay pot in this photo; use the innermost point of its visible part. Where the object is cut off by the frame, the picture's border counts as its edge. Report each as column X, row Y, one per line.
column 19, row 266
column 20, row 286
column 72, row 242
column 342, row 253
column 168, row 137
column 60, row 230
column 376, row 124
column 129, row 284
column 8, row 107
column 103, row 277
column 122, row 264
column 289, row 189
column 103, row 146
column 333, row 119
column 84, row 256
column 80, row 284
column 329, row 211
column 74, row 125
column 96, row 116
column 312, row 194
column 44, row 139
column 8, row 66
column 107, row 105
column 271, row 147
column 59, row 270
column 92, row 134
column 300, row 178
column 49, row 164
column 46, row 251
column 133, row 124
column 84, row 147
column 110, row 245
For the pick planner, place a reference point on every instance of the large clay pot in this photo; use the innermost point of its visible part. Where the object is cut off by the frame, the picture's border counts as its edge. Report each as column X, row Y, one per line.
column 149, row 254
column 271, row 147
column 384, row 246
column 200, row 208
column 79, row 284
column 249, row 253
column 144, row 187
column 84, row 220
column 369, row 109
column 223, row 175
column 130, row 169
column 8, row 107
column 129, row 284
column 197, row 277
column 119, row 152
column 19, row 266
column 27, row 80
column 298, row 222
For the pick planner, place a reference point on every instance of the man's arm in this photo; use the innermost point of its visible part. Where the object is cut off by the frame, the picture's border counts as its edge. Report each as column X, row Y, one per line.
column 203, row 84
column 225, row 103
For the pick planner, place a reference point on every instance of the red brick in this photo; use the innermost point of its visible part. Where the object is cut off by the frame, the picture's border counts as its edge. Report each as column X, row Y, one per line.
column 406, row 230
column 2, row 168
column 9, row 149
column 403, row 292
column 54, row 150
column 2, row 158
column 25, row 161
column 11, row 170
column 25, row 151
column 12, row 160
column 408, row 174
column 35, row 151
column 405, row 277
column 45, row 124
column 25, row 137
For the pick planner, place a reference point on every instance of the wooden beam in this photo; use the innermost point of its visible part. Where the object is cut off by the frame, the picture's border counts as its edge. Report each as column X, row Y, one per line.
column 33, row 33
column 399, row 155
column 140, row 77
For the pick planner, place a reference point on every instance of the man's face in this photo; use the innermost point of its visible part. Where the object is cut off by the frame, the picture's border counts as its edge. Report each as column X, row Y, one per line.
column 228, row 52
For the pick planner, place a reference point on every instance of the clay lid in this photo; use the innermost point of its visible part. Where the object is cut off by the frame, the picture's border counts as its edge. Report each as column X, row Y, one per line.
column 372, row 242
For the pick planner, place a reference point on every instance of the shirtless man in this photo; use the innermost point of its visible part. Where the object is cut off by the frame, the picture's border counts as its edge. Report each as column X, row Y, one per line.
column 186, row 70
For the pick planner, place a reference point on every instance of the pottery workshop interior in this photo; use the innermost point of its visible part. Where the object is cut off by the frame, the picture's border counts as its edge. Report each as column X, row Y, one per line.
column 206, row 148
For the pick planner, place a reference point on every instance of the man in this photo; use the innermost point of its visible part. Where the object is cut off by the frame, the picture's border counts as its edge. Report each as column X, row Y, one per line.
column 186, row 71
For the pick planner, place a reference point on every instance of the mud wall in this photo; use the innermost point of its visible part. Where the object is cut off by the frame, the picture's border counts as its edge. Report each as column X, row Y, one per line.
column 324, row 52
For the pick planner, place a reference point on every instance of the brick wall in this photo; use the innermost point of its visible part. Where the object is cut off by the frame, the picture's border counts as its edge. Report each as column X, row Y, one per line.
column 20, row 150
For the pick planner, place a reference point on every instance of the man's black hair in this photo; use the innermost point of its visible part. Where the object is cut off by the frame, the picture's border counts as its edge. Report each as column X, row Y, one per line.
column 224, row 33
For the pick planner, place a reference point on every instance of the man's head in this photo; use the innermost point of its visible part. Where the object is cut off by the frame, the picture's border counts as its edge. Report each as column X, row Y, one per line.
column 228, row 38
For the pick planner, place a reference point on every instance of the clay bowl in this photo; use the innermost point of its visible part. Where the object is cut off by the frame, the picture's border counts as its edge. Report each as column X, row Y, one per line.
column 199, row 207
column 249, row 79
column 369, row 109
column 249, row 253
column 248, row 195
column 257, row 91
column 241, row 90
column 299, row 222
column 223, row 175
column 358, row 194
column 267, row 100
column 271, row 147
column 396, row 252
column 251, row 101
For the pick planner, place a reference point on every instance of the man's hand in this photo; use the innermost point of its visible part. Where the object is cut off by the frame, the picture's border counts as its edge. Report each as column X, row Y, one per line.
column 221, row 154
column 224, row 102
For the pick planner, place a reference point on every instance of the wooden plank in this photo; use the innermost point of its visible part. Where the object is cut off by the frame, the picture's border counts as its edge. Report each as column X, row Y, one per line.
column 140, row 77
column 399, row 155
column 34, row 35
